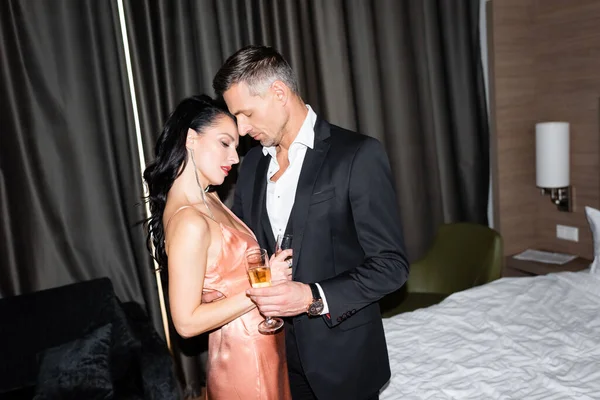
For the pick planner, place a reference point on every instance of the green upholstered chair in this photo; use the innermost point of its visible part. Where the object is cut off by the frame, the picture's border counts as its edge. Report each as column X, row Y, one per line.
column 463, row 255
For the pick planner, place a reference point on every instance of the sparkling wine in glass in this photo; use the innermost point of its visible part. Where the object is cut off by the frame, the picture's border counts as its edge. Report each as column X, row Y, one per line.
column 284, row 242
column 259, row 272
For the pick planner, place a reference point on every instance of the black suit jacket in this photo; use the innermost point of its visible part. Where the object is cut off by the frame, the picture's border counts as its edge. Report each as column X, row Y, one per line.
column 348, row 238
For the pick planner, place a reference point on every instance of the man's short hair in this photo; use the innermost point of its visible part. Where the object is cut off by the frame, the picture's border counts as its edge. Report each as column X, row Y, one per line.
column 258, row 67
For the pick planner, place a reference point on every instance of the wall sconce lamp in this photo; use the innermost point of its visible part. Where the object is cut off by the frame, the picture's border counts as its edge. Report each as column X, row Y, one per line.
column 552, row 162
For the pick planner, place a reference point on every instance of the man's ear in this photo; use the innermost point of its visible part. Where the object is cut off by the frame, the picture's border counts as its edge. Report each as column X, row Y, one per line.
column 280, row 91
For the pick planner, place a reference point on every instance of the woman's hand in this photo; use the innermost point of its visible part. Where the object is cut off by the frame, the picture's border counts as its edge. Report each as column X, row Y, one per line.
column 208, row 296
column 280, row 268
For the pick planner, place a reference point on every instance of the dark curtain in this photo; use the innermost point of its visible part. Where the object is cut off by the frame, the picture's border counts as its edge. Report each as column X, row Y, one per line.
column 407, row 72
column 70, row 183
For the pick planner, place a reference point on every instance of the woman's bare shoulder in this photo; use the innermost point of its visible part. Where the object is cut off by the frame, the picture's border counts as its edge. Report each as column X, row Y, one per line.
column 188, row 224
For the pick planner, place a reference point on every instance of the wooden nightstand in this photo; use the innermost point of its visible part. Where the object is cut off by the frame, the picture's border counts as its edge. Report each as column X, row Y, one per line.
column 514, row 267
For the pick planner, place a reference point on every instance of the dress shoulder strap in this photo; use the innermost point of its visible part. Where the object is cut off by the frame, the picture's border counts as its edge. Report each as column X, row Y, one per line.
column 184, row 207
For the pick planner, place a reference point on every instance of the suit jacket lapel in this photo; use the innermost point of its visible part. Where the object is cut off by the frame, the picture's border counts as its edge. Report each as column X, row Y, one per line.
column 260, row 218
column 308, row 176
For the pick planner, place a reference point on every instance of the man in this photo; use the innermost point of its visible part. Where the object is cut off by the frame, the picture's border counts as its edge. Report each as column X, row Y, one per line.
column 331, row 188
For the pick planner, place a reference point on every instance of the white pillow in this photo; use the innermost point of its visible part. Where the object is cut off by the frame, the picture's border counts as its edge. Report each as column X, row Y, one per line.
column 593, row 217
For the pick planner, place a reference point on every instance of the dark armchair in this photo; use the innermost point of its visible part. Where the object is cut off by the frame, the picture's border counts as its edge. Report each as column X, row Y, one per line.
column 80, row 342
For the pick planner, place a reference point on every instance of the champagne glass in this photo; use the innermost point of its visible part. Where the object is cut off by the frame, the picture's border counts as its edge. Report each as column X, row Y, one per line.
column 284, row 242
column 259, row 272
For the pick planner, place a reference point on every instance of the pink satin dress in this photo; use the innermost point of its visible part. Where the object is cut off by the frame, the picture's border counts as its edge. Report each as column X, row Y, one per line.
column 242, row 362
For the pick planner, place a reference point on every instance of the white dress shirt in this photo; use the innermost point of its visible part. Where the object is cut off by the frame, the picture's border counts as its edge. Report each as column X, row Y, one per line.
column 281, row 194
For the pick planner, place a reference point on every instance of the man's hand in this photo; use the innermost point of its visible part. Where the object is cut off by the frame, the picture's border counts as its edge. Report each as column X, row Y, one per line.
column 280, row 269
column 283, row 299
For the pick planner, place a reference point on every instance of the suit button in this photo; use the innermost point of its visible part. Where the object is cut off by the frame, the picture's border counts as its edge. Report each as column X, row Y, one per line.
column 353, row 312
column 339, row 319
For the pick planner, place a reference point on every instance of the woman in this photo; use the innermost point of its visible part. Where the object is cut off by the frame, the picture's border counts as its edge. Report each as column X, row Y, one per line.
column 202, row 244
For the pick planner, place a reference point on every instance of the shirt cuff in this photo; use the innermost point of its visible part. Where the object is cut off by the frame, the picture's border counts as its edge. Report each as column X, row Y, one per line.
column 325, row 306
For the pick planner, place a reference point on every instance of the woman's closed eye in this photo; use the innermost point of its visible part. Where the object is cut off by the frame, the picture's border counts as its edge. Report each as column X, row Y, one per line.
column 225, row 144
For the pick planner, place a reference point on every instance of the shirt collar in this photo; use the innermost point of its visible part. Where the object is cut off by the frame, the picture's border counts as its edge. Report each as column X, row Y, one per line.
column 306, row 135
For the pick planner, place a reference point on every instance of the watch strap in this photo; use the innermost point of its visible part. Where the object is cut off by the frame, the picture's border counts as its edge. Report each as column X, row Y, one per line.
column 315, row 291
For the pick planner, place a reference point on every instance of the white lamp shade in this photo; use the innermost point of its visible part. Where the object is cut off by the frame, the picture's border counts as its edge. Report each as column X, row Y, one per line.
column 552, row 154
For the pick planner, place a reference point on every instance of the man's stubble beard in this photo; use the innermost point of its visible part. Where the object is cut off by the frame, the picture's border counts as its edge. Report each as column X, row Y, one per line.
column 270, row 142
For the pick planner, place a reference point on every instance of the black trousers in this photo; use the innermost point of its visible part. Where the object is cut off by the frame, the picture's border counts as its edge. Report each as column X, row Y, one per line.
column 299, row 385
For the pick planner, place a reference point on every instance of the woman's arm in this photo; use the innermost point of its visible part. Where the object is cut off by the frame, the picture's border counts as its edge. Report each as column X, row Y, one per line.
column 188, row 251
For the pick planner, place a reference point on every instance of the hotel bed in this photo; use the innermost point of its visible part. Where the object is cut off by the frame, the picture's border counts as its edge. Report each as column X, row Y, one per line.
column 515, row 338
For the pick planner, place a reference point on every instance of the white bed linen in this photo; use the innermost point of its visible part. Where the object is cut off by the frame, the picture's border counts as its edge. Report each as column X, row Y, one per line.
column 515, row 338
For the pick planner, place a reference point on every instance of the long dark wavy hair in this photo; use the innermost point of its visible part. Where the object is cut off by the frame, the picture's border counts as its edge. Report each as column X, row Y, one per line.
column 197, row 113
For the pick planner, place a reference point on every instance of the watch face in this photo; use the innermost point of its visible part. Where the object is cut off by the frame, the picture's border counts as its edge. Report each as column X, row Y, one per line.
column 315, row 308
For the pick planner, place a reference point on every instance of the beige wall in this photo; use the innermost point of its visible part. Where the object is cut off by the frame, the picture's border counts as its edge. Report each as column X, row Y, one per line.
column 544, row 66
